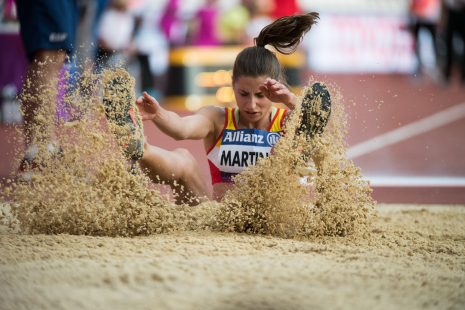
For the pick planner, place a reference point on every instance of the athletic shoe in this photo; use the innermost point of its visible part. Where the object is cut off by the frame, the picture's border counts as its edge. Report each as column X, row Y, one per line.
column 306, row 171
column 29, row 167
column 119, row 106
column 316, row 109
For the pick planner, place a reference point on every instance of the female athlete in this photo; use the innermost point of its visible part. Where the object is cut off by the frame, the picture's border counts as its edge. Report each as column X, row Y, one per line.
column 233, row 137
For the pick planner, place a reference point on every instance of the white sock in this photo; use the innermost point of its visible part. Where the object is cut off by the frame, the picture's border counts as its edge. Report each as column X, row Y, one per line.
column 51, row 146
column 32, row 151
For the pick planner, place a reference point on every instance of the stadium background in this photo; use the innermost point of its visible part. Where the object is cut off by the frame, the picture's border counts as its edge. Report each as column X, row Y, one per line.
column 406, row 129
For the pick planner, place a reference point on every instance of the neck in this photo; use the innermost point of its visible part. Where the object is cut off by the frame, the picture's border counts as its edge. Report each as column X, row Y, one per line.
column 262, row 124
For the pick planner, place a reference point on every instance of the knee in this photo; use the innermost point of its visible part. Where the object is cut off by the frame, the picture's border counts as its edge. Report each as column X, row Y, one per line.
column 186, row 156
column 146, row 145
column 186, row 163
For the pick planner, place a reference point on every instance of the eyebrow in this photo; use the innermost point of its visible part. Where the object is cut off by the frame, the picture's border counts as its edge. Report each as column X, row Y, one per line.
column 257, row 93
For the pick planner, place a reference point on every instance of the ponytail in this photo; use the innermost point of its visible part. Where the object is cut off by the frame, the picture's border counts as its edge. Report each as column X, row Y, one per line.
column 284, row 34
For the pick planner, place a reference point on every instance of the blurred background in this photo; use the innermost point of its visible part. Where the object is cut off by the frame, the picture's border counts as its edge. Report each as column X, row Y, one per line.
column 399, row 65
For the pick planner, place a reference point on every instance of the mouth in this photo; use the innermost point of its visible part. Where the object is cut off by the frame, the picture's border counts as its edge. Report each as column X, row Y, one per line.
column 252, row 113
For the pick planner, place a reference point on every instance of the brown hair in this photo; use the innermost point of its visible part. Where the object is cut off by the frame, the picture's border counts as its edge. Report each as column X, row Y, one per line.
column 284, row 34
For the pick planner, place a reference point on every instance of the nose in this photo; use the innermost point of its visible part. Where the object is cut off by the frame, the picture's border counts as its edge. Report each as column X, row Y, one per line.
column 251, row 104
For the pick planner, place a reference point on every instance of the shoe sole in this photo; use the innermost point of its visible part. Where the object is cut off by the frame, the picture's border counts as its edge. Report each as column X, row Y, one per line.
column 128, row 131
column 316, row 110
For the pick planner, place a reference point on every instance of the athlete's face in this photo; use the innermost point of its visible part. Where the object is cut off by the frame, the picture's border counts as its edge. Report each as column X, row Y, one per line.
column 250, row 100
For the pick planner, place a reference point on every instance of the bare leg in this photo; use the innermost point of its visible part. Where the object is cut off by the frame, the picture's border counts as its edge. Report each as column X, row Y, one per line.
column 176, row 167
column 48, row 71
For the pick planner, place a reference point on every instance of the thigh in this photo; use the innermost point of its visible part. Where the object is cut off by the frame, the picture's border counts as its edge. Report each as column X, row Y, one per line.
column 166, row 166
column 177, row 168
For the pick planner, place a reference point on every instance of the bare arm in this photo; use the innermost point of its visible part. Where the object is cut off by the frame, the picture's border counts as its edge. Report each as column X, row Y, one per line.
column 193, row 127
column 279, row 93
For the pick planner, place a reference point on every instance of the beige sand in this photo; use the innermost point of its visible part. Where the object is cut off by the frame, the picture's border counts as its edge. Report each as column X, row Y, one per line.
column 415, row 259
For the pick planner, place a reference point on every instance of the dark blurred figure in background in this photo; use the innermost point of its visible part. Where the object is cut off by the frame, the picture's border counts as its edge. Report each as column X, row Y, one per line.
column 285, row 8
column 454, row 12
column 242, row 23
column 173, row 24
column 152, row 47
column 48, row 31
column 424, row 14
column 233, row 22
column 84, row 53
column 90, row 12
column 13, row 63
column 8, row 11
column 115, row 33
column 204, row 32
column 259, row 17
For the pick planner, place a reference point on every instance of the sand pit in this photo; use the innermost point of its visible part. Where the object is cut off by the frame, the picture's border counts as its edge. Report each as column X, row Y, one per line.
column 414, row 259
column 88, row 231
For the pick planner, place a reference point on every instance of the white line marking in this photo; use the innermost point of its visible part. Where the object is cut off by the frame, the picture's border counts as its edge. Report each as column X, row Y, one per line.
column 406, row 181
column 408, row 131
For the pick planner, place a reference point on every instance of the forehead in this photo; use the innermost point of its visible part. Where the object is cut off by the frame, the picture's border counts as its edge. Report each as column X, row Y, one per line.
column 249, row 83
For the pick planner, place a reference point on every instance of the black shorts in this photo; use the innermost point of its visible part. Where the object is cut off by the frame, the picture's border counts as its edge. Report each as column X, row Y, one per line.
column 47, row 24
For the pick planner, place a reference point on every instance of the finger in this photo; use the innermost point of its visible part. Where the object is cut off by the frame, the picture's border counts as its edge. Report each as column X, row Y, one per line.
column 264, row 90
column 281, row 92
column 277, row 86
column 149, row 98
column 270, row 81
column 262, row 87
column 139, row 102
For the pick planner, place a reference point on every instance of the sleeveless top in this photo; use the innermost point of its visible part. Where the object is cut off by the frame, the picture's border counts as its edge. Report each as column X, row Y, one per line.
column 235, row 149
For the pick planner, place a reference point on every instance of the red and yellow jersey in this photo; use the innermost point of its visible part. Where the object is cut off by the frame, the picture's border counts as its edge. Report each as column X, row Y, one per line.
column 235, row 148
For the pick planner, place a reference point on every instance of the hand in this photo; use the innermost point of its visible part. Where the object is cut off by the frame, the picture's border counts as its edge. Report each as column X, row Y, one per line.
column 277, row 92
column 148, row 106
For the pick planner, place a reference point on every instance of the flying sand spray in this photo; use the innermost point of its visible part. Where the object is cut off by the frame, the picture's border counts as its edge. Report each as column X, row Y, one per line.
column 86, row 186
